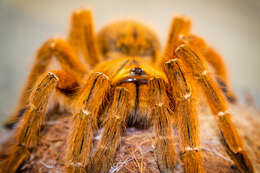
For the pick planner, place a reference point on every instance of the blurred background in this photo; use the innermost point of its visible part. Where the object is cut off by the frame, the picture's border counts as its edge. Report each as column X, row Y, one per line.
column 232, row 27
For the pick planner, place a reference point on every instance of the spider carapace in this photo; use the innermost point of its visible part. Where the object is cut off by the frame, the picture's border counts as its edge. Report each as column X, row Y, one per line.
column 126, row 82
column 131, row 49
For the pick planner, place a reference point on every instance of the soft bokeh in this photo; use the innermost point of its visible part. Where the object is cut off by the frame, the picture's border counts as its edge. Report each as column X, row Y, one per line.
column 232, row 27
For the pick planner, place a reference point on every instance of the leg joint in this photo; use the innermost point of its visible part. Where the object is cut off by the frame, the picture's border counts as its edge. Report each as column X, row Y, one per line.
column 190, row 150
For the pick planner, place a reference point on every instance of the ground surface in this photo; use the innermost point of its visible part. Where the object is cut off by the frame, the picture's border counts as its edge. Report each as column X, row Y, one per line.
column 136, row 153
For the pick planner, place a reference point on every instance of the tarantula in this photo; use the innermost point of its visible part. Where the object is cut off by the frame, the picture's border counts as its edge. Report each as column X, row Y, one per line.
column 127, row 82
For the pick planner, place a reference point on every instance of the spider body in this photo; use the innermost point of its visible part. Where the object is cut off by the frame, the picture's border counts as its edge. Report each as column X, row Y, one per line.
column 127, row 82
column 130, row 48
column 128, row 38
column 133, row 73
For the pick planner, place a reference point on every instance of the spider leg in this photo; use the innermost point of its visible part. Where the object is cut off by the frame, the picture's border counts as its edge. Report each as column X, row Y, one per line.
column 185, row 109
column 90, row 101
column 180, row 25
column 219, row 107
column 103, row 157
column 164, row 142
column 82, row 36
column 215, row 60
column 69, row 63
column 179, row 33
column 27, row 133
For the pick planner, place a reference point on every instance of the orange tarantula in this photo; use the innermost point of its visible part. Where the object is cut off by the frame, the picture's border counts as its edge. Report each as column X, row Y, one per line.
column 127, row 82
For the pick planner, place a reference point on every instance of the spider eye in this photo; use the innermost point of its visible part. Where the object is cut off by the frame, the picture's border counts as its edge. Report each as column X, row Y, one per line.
column 137, row 71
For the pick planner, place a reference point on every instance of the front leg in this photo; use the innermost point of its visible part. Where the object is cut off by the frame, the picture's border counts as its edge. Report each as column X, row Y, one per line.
column 184, row 96
column 89, row 102
column 28, row 131
column 115, row 124
column 162, row 126
column 219, row 107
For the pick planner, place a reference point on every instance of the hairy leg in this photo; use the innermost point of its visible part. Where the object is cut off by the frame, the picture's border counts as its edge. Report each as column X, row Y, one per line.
column 89, row 102
column 68, row 61
column 103, row 157
column 161, row 114
column 34, row 116
column 179, row 33
column 216, row 62
column 219, row 107
column 82, row 36
column 180, row 25
column 184, row 95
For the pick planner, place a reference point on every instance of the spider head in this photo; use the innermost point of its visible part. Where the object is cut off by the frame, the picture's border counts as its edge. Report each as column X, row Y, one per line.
column 128, row 38
column 137, row 71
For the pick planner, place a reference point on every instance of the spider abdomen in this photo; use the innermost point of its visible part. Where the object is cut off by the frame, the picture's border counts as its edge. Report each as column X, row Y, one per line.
column 128, row 38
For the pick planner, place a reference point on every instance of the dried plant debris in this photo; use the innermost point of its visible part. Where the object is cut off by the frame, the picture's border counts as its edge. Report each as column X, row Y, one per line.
column 136, row 152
